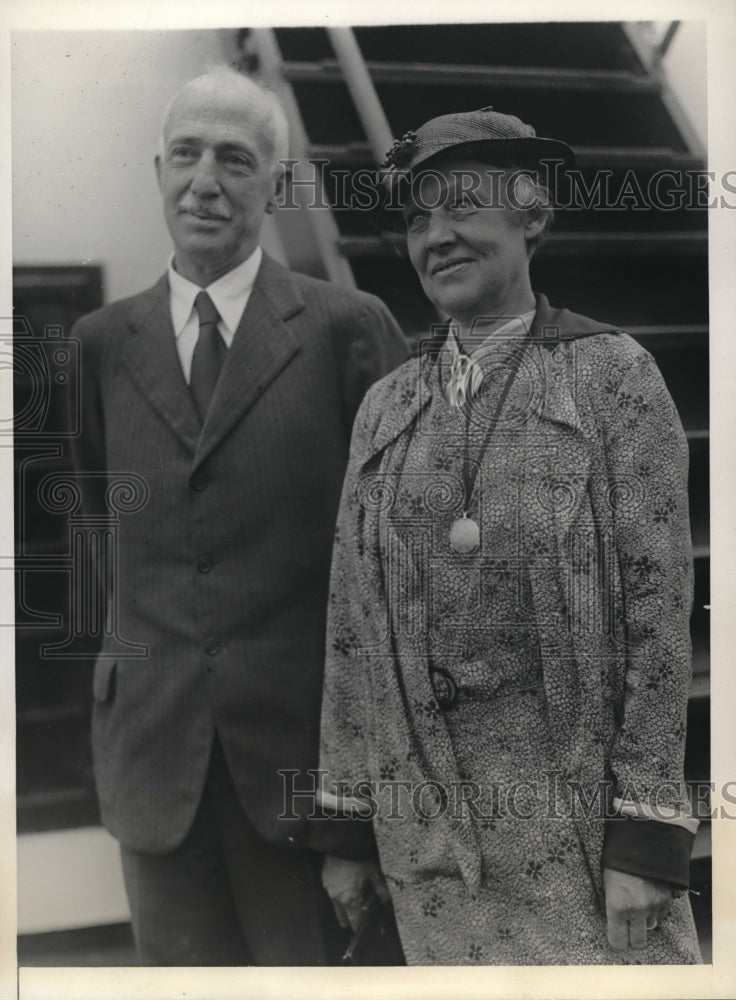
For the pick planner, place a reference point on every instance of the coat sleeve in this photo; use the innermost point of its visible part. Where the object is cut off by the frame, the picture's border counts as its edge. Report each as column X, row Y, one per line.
column 378, row 346
column 355, row 605
column 647, row 459
column 87, row 448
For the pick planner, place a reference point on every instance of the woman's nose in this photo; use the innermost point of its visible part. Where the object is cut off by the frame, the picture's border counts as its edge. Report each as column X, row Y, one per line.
column 439, row 231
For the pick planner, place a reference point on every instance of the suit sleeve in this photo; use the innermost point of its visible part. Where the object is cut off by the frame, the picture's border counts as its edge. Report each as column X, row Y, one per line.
column 87, row 447
column 378, row 346
column 647, row 458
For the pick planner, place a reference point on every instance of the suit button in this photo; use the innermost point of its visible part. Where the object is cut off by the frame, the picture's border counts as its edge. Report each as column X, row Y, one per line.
column 210, row 645
column 204, row 565
column 199, row 483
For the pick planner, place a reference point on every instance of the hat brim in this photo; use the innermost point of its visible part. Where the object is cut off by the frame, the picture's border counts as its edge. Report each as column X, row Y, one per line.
column 522, row 152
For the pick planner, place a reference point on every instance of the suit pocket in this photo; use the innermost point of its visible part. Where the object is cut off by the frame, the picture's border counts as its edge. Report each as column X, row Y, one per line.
column 103, row 681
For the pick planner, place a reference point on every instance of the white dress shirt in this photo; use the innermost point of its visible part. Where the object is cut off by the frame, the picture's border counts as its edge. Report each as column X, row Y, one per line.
column 230, row 294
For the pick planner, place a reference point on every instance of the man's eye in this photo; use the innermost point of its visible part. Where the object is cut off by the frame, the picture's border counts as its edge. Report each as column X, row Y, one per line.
column 237, row 160
column 181, row 154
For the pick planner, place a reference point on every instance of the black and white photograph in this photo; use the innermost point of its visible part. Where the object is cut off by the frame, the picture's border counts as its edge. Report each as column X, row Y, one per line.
column 368, row 443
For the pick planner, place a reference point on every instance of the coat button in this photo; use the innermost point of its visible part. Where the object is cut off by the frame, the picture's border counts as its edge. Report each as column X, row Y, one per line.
column 204, row 565
column 210, row 645
column 198, row 483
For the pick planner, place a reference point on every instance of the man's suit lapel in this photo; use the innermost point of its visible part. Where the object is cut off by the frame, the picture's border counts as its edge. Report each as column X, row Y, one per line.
column 151, row 359
column 261, row 349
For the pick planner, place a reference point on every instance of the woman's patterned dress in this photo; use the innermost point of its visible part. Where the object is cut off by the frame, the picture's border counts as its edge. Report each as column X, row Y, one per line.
column 439, row 689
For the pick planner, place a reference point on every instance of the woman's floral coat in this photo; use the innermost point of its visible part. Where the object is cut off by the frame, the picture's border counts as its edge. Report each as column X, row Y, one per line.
column 600, row 465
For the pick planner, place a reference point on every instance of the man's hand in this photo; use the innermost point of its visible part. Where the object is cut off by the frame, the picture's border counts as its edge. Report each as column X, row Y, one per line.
column 633, row 906
column 346, row 881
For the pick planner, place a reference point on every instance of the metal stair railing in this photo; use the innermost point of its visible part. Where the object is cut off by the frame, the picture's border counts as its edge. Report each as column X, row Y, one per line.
column 310, row 234
column 362, row 90
column 651, row 54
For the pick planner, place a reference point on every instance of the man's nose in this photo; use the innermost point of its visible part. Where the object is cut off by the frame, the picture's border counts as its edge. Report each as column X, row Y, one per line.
column 205, row 182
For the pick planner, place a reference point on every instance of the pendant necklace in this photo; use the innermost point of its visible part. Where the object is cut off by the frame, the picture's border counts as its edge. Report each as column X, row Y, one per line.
column 465, row 530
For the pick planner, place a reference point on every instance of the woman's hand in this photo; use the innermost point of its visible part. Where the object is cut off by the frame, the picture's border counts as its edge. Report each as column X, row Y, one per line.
column 634, row 906
column 346, row 881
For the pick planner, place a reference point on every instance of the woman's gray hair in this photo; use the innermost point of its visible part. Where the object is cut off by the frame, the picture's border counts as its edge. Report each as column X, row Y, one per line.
column 528, row 197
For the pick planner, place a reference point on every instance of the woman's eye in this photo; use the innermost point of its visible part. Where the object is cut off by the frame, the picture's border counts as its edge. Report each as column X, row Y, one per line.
column 462, row 204
column 416, row 221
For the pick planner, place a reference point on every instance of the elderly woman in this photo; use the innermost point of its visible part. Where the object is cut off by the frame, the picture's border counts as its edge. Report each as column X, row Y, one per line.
column 509, row 656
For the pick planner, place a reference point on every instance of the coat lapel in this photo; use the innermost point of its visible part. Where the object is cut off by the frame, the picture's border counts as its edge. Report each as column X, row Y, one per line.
column 150, row 358
column 261, row 349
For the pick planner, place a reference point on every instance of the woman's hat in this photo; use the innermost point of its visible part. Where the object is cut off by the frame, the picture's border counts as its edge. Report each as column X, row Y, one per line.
column 493, row 133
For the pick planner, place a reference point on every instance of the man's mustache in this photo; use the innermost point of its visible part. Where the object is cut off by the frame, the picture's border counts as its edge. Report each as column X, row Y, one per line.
column 202, row 211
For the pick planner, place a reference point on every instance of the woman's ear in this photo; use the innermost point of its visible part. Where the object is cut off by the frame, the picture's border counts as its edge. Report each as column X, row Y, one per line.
column 535, row 222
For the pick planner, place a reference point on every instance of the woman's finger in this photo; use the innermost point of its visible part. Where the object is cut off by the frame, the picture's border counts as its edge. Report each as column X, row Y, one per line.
column 618, row 932
column 638, row 931
column 381, row 889
column 340, row 914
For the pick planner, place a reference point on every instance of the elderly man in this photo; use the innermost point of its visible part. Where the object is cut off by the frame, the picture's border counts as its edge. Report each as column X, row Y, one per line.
column 229, row 389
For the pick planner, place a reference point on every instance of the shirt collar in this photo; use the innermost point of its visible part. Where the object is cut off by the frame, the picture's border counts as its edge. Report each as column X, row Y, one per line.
column 517, row 326
column 465, row 370
column 229, row 293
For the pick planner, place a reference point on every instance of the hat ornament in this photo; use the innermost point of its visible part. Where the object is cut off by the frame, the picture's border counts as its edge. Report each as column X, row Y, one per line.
column 402, row 151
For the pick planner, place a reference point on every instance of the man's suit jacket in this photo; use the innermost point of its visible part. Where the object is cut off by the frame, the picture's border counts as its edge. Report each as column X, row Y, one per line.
column 223, row 573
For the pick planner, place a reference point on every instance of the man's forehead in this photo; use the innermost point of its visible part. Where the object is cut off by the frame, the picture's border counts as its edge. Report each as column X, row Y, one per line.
column 237, row 113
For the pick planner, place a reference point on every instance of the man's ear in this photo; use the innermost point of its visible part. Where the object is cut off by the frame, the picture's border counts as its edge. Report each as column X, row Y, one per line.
column 157, row 165
column 275, row 200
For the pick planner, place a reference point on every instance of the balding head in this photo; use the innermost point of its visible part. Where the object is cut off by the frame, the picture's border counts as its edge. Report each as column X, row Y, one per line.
column 219, row 172
column 261, row 108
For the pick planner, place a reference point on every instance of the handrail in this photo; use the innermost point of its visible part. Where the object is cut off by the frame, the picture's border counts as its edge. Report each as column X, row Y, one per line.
column 363, row 92
column 667, row 38
column 321, row 222
column 651, row 57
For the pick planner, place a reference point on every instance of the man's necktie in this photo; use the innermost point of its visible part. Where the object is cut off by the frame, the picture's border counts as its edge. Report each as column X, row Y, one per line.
column 209, row 354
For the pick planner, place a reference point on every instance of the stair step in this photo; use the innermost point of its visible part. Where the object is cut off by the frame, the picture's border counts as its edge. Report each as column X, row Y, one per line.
column 677, row 242
column 582, row 117
column 593, row 44
column 675, row 335
column 534, row 77
column 657, row 288
column 601, row 45
column 359, row 154
column 52, row 713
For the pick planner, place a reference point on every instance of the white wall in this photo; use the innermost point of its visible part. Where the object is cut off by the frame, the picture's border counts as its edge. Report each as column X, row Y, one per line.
column 87, row 110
